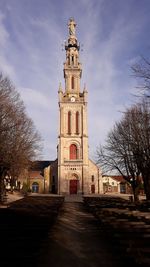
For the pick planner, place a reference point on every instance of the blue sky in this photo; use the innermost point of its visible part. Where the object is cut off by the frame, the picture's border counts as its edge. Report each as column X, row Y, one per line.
column 114, row 34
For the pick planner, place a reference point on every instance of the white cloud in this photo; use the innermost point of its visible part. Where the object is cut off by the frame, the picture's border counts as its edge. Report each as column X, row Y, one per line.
column 41, row 108
column 5, row 66
column 109, row 83
column 4, row 35
column 30, row 52
column 34, row 98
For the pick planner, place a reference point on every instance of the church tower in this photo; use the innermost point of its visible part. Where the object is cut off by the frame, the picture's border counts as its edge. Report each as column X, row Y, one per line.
column 74, row 175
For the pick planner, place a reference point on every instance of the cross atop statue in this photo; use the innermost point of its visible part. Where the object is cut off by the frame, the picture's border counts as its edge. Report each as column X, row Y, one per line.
column 72, row 26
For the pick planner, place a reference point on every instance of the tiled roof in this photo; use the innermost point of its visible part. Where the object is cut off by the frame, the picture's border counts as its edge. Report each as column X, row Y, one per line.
column 40, row 164
column 118, row 178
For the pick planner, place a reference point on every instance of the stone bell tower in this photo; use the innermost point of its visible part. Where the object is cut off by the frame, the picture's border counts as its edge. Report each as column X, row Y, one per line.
column 73, row 159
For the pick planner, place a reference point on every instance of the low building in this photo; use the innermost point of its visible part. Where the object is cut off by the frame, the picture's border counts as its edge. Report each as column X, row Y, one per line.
column 116, row 184
column 37, row 178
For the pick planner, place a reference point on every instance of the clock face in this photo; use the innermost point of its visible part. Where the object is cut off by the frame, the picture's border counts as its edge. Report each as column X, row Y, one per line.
column 72, row 99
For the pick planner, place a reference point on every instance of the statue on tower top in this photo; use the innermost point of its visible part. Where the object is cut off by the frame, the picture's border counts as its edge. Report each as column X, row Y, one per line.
column 72, row 26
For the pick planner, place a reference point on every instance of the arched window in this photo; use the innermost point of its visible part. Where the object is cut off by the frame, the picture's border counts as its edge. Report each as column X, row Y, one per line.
column 77, row 122
column 73, row 152
column 72, row 59
column 72, row 82
column 69, row 122
column 68, row 58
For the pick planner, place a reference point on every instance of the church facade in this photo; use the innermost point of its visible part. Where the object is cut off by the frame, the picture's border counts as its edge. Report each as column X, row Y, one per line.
column 77, row 174
column 72, row 172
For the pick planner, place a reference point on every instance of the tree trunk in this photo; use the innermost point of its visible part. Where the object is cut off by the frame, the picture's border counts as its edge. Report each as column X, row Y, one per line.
column 135, row 189
column 146, row 180
column 135, row 194
column 2, row 188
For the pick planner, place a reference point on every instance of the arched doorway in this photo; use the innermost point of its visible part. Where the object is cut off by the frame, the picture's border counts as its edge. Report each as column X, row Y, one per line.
column 74, row 184
column 35, row 187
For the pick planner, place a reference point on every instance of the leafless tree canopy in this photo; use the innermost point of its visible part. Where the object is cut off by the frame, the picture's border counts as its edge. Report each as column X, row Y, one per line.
column 141, row 70
column 19, row 140
column 127, row 148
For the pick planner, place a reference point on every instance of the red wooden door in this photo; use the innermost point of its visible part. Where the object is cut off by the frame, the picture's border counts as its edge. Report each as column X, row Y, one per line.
column 93, row 189
column 73, row 186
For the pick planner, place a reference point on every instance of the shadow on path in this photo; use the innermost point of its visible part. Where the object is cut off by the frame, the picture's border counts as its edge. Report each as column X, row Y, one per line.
column 74, row 238
column 78, row 240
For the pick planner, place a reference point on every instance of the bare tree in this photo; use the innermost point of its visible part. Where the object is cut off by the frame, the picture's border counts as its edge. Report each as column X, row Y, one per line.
column 127, row 148
column 19, row 140
column 141, row 70
column 116, row 155
column 139, row 116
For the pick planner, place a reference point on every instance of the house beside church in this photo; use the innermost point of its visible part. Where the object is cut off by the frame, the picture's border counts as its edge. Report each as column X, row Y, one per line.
column 116, row 184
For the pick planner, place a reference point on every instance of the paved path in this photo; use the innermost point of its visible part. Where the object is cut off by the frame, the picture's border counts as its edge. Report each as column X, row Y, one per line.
column 77, row 240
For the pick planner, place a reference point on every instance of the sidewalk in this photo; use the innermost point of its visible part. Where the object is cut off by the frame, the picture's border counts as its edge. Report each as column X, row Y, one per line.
column 69, row 198
column 73, row 198
column 11, row 197
column 120, row 195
